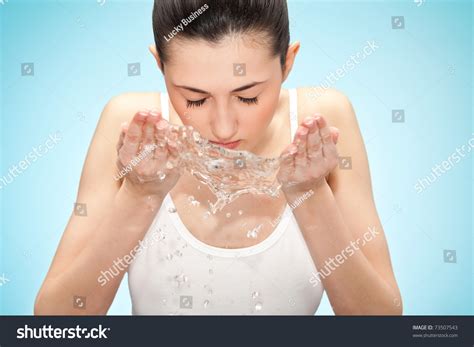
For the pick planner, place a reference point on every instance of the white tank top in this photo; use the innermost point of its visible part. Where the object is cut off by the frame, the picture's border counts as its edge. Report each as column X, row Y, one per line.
column 175, row 273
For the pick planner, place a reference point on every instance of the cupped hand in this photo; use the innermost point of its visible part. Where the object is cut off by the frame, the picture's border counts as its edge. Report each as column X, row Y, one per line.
column 309, row 159
column 149, row 163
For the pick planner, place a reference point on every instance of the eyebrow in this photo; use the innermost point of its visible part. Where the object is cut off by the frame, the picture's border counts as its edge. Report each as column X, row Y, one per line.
column 239, row 89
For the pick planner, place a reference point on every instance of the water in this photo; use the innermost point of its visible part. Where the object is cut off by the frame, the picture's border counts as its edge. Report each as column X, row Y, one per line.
column 180, row 279
column 228, row 173
column 253, row 234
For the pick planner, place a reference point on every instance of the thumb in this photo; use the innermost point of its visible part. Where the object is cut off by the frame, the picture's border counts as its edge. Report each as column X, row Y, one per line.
column 334, row 134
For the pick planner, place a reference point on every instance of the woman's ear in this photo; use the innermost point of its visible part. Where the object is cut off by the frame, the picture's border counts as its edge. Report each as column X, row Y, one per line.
column 293, row 50
column 152, row 49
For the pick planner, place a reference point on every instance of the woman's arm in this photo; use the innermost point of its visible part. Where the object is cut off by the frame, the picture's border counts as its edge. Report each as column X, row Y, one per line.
column 340, row 223
column 118, row 216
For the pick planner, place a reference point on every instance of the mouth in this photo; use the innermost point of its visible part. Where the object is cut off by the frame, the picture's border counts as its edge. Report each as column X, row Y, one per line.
column 229, row 145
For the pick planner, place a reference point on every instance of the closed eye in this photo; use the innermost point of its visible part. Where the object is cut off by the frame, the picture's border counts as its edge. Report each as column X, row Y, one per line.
column 197, row 103
column 249, row 101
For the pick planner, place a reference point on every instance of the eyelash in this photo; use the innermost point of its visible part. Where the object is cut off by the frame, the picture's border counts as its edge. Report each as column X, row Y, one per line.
column 198, row 103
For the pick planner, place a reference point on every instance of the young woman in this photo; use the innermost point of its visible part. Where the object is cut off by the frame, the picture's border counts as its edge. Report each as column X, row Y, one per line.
column 224, row 63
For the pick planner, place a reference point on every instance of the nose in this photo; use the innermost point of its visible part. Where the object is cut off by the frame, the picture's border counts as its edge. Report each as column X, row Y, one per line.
column 224, row 123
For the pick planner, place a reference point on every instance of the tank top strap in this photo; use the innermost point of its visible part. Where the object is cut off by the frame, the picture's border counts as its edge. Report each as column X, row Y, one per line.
column 293, row 111
column 165, row 108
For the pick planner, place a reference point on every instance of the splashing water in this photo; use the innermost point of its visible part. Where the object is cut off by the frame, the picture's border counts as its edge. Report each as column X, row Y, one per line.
column 228, row 173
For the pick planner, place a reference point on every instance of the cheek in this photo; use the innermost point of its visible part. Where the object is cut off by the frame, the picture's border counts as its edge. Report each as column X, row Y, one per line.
column 256, row 121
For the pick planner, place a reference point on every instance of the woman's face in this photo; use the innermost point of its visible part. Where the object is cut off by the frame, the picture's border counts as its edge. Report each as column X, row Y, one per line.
column 228, row 92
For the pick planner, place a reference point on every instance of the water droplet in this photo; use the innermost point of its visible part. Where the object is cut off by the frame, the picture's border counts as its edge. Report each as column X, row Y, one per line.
column 206, row 303
column 211, row 272
column 209, row 257
column 169, row 257
column 169, row 165
column 185, row 245
column 239, row 163
column 255, row 295
column 206, row 215
column 172, row 209
column 240, row 212
column 163, row 301
column 178, row 253
column 252, row 234
column 180, row 279
column 258, row 306
column 161, row 175
column 228, row 214
column 199, row 187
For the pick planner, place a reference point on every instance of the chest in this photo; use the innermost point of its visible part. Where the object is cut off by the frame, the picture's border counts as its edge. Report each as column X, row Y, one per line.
column 245, row 222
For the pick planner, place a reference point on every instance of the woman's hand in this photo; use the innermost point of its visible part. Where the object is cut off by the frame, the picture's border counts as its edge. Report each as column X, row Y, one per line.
column 310, row 157
column 149, row 163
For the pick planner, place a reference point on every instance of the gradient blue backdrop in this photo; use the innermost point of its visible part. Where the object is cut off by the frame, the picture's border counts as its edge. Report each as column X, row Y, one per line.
column 81, row 49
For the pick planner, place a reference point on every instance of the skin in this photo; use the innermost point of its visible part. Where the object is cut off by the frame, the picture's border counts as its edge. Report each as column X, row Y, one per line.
column 121, row 211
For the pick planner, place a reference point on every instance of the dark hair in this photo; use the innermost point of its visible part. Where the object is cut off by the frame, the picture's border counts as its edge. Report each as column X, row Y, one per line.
column 212, row 20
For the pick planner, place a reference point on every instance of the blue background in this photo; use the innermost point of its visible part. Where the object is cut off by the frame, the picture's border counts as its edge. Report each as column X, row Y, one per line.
column 81, row 49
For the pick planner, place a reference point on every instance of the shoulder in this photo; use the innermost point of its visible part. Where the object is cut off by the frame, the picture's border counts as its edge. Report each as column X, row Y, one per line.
column 331, row 103
column 125, row 105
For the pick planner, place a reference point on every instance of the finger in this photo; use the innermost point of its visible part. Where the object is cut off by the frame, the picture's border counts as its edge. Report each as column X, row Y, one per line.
column 124, row 128
column 148, row 139
column 131, row 142
column 335, row 134
column 301, row 139
column 314, row 146
column 311, row 124
column 288, row 156
column 161, row 132
column 328, row 146
column 161, row 152
column 134, row 133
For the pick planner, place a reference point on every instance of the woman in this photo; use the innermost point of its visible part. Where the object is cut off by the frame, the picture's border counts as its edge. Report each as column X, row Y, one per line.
column 224, row 64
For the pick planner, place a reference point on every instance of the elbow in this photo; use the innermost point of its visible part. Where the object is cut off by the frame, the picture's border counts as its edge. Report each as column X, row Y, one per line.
column 39, row 308
column 50, row 302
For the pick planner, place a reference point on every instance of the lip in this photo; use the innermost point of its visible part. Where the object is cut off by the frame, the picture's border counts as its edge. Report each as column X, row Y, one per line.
column 229, row 145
